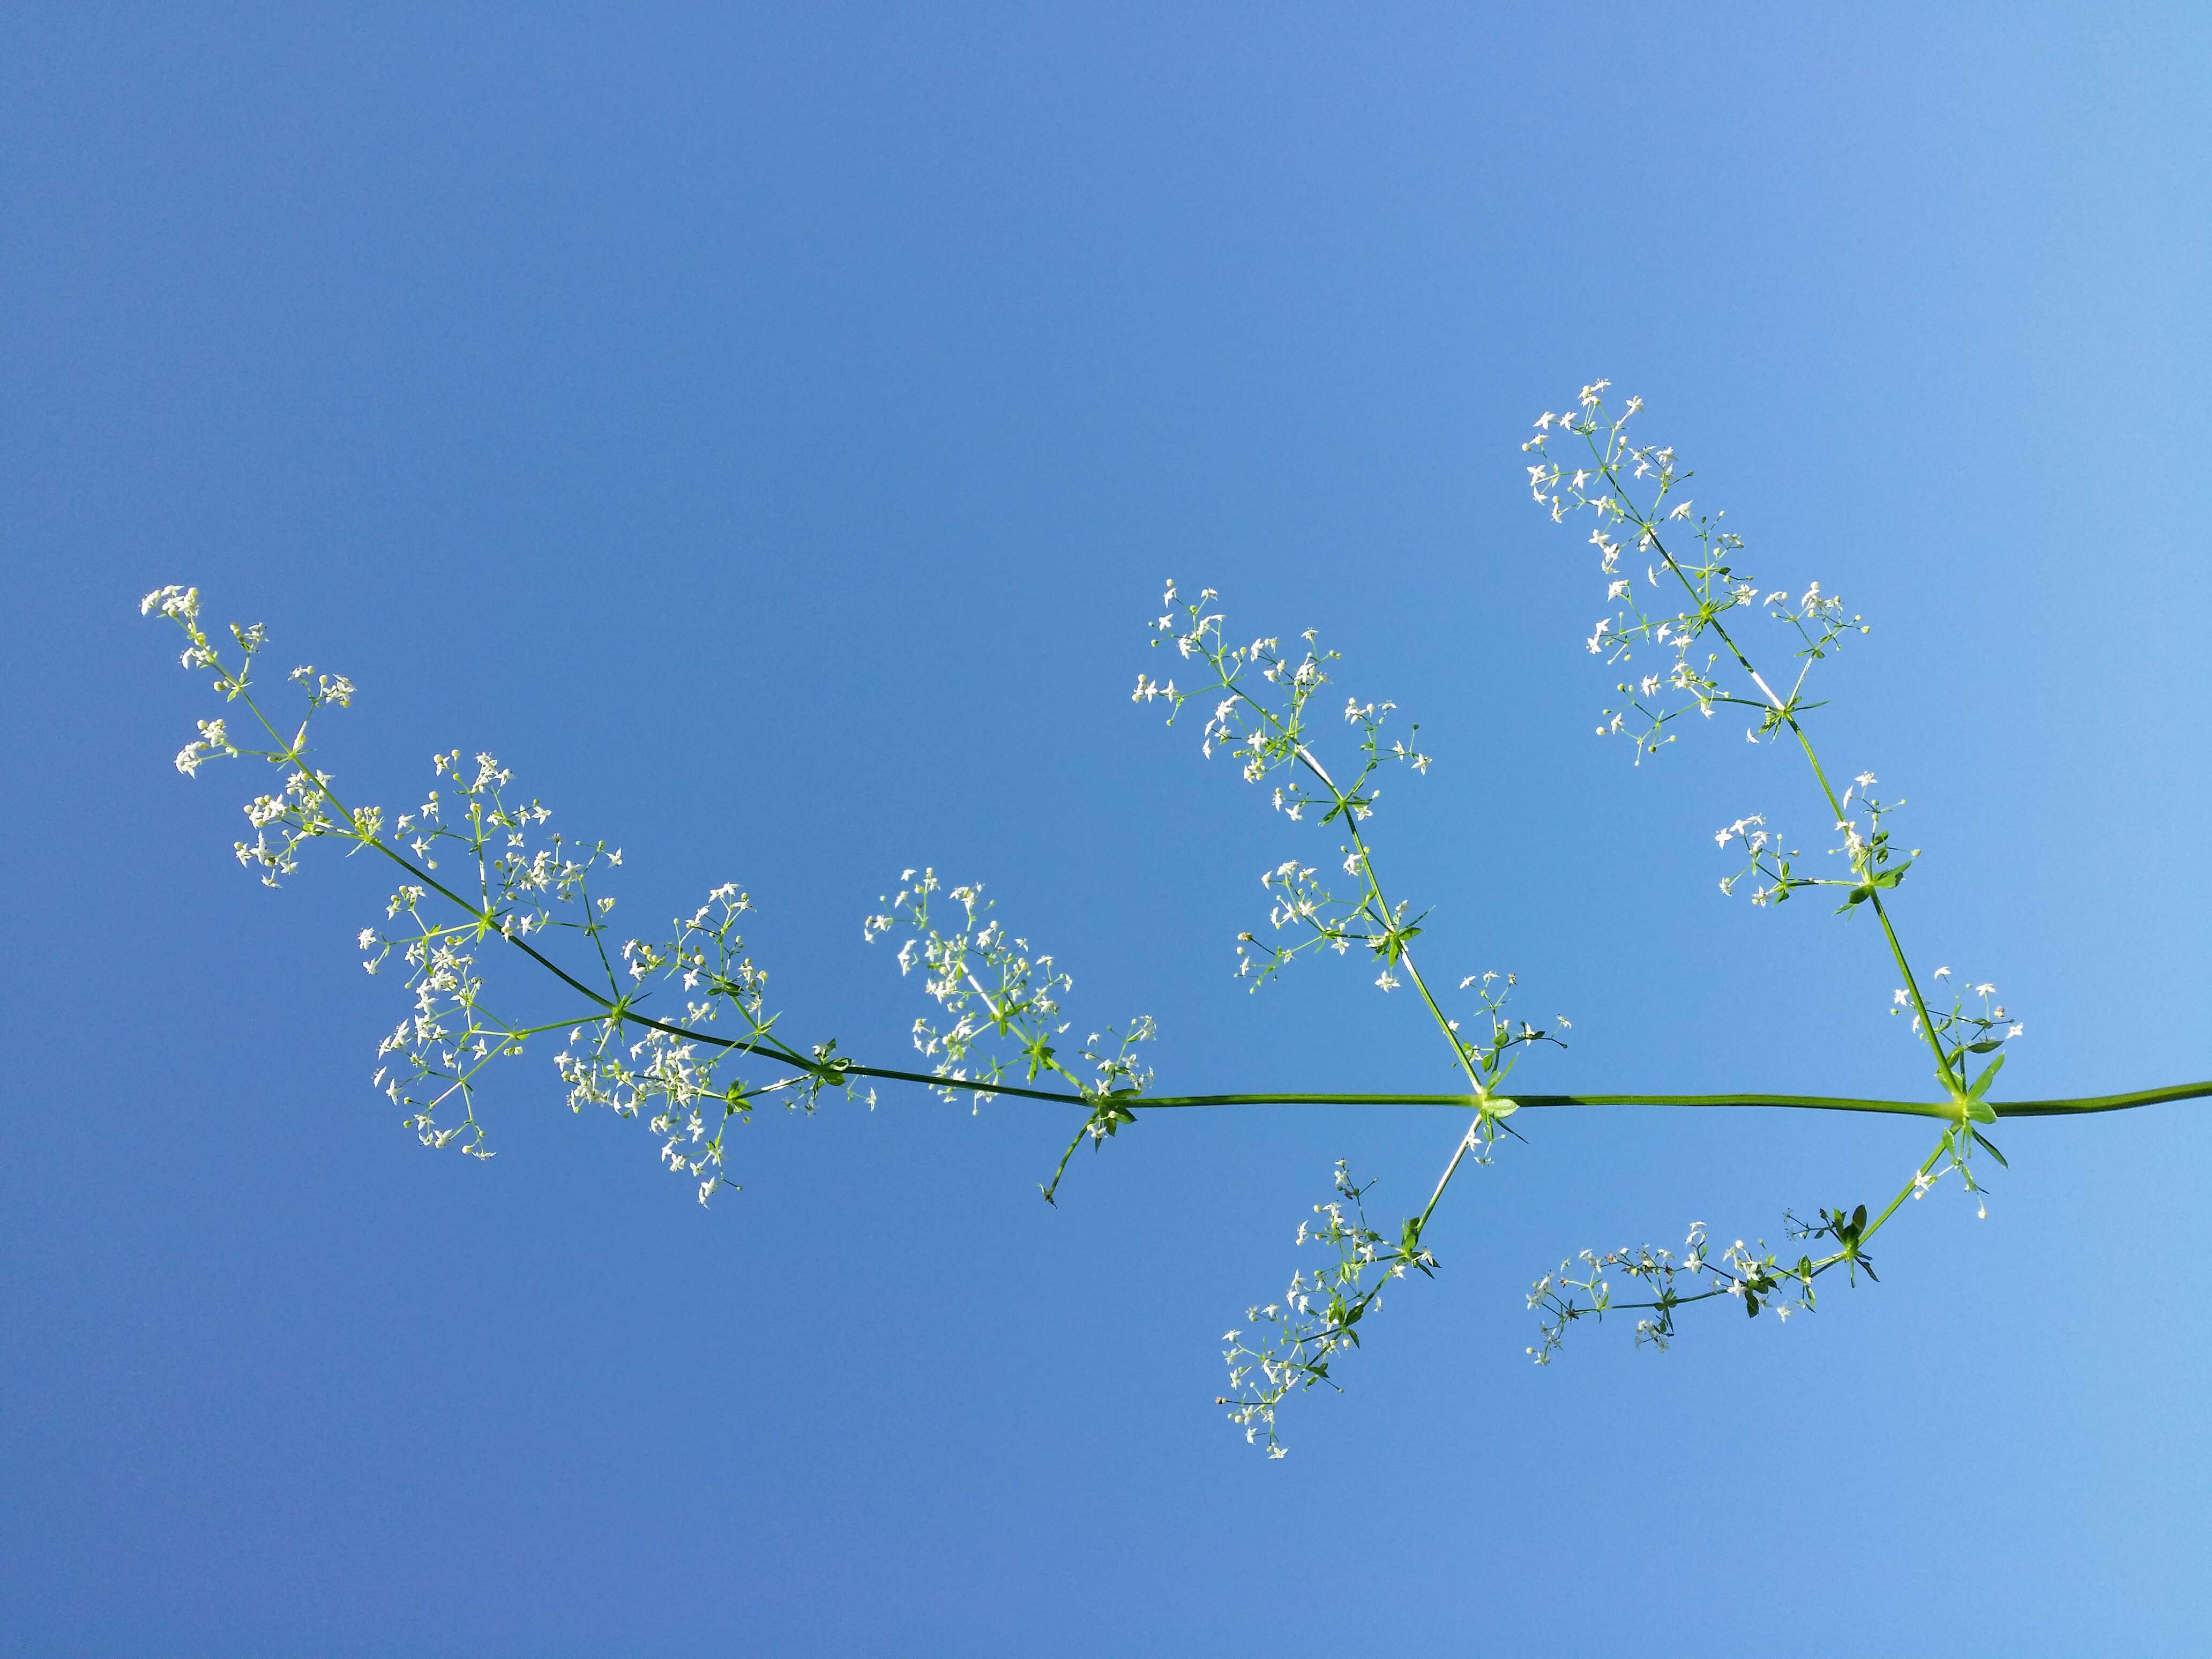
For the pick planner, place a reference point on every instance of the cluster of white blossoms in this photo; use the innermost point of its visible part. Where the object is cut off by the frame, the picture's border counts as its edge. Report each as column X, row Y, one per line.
column 1287, row 1346
column 676, row 1068
column 1626, row 487
column 1751, row 1276
column 1488, row 1051
column 432, row 1060
column 673, row 1067
column 302, row 808
column 1264, row 717
column 1320, row 1311
column 681, row 1078
column 1261, row 715
column 1003, row 1001
column 1871, row 861
column 521, row 887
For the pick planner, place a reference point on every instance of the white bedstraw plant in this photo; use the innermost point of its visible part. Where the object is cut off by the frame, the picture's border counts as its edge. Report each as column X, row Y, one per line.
column 676, row 1030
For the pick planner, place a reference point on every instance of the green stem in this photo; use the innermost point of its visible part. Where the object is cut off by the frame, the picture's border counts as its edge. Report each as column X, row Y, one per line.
column 1481, row 1101
column 1939, row 1110
column 1906, row 1190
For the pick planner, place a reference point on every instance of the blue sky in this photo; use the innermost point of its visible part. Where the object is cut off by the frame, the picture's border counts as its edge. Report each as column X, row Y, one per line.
column 766, row 431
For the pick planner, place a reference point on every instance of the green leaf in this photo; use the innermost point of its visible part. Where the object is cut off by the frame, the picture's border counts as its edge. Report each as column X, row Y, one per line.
column 1980, row 1085
column 1989, row 1146
column 1990, row 1045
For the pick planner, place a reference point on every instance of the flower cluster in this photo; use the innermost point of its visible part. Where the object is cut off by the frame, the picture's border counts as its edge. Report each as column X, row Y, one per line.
column 1766, row 862
column 676, row 1075
column 1003, row 1002
column 1320, row 1312
column 1752, row 1276
column 1490, row 1056
column 1628, row 487
column 519, row 893
column 1021, row 1001
column 512, row 883
column 1263, row 716
column 1872, row 861
column 1316, row 917
column 302, row 808
column 673, row 1071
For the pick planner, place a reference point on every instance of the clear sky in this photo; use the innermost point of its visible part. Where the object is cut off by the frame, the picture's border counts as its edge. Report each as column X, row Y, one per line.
column 766, row 431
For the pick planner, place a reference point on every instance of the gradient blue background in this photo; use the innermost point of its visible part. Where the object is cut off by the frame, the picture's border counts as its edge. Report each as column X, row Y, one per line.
column 767, row 430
